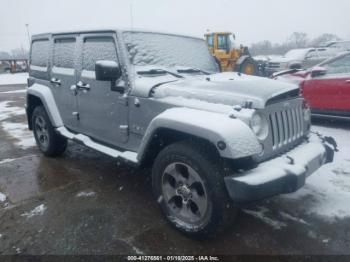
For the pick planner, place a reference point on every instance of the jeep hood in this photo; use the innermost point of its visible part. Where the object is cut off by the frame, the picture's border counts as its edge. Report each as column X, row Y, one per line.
column 228, row 89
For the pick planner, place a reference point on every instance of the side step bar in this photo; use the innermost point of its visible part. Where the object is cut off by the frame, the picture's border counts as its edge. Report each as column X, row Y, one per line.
column 128, row 155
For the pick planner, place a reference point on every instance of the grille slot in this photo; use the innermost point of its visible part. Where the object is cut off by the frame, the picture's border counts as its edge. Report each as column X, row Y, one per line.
column 286, row 125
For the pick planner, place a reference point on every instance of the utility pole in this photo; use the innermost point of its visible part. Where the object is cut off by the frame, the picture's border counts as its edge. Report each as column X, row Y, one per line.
column 27, row 27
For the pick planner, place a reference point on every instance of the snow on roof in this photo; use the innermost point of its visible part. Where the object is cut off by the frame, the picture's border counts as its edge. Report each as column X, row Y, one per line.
column 99, row 30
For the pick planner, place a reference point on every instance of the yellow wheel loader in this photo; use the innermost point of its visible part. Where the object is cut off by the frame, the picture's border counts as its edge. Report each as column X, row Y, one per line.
column 229, row 58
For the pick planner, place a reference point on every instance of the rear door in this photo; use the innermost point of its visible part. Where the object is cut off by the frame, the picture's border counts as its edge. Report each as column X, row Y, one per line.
column 331, row 92
column 102, row 112
column 63, row 76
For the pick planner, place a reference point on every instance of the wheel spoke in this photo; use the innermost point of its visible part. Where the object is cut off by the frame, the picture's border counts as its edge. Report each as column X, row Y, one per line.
column 186, row 212
column 169, row 191
column 192, row 178
column 41, row 131
column 38, row 123
column 174, row 172
column 199, row 201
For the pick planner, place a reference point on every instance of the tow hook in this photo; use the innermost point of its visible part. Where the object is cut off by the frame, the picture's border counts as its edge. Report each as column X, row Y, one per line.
column 331, row 141
column 330, row 145
column 291, row 160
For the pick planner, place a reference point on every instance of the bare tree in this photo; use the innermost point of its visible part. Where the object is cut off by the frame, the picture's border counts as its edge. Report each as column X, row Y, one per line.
column 323, row 39
column 298, row 40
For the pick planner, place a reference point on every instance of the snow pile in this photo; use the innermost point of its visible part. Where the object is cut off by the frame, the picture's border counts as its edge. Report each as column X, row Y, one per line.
column 7, row 111
column 7, row 160
column 293, row 218
column 2, row 197
column 39, row 210
column 261, row 214
column 19, row 131
column 13, row 79
column 86, row 194
column 20, row 91
column 327, row 191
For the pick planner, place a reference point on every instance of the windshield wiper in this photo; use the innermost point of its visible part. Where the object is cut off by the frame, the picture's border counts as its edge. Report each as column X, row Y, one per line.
column 192, row 71
column 158, row 72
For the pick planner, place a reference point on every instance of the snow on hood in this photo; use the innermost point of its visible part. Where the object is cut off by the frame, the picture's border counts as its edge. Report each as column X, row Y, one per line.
column 222, row 88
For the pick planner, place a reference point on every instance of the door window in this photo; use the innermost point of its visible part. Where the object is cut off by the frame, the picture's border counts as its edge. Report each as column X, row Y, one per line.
column 340, row 66
column 102, row 48
column 63, row 54
column 222, row 42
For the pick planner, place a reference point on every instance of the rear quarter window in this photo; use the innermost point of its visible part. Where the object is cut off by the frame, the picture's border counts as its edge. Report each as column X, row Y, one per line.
column 40, row 53
column 39, row 59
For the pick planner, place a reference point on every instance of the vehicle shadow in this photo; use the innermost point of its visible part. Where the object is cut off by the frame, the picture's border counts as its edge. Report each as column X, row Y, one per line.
column 330, row 122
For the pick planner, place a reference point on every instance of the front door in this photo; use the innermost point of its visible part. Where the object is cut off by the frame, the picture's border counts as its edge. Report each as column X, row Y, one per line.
column 102, row 112
column 63, row 76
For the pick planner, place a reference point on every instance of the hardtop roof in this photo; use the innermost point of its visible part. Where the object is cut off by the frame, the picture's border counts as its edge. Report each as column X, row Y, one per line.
column 106, row 30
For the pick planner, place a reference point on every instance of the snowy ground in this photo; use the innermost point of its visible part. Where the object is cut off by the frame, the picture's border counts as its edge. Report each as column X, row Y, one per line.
column 13, row 79
column 326, row 193
column 329, row 187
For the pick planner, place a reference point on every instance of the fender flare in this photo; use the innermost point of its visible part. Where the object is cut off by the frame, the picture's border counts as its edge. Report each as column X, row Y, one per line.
column 45, row 95
column 214, row 127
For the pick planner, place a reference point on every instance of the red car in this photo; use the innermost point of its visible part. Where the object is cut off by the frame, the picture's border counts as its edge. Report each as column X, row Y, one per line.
column 325, row 87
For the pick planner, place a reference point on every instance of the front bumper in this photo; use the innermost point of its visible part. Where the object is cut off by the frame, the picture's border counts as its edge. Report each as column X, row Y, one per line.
column 281, row 175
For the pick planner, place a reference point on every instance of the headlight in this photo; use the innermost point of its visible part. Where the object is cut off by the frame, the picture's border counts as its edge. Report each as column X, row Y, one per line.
column 259, row 125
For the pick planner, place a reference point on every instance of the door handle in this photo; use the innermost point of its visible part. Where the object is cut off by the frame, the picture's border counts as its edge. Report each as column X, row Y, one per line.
column 55, row 81
column 84, row 86
column 347, row 81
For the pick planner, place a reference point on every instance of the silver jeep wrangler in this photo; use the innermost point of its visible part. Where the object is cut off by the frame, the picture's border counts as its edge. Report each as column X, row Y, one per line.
column 213, row 140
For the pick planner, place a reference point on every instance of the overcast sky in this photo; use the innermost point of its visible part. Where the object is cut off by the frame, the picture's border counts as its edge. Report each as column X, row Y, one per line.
column 251, row 20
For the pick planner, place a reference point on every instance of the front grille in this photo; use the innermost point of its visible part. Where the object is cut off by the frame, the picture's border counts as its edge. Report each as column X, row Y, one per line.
column 274, row 65
column 286, row 125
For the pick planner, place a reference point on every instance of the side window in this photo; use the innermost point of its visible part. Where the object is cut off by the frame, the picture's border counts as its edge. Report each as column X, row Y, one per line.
column 63, row 53
column 340, row 66
column 311, row 55
column 210, row 40
column 39, row 54
column 222, row 42
column 102, row 48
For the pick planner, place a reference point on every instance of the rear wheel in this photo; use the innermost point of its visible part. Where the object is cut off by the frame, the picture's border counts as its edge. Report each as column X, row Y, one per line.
column 188, row 183
column 47, row 139
column 249, row 67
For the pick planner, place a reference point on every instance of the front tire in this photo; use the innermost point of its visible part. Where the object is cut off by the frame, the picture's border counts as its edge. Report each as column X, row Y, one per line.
column 47, row 139
column 188, row 182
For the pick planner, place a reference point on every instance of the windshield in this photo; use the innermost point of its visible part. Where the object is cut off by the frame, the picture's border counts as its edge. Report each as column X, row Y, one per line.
column 168, row 51
column 296, row 54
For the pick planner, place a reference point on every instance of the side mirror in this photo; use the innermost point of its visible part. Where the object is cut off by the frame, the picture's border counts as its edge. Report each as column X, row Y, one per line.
column 107, row 70
column 318, row 71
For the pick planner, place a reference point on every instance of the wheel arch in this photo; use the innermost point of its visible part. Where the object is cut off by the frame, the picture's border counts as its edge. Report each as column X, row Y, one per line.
column 173, row 125
column 32, row 102
column 162, row 137
column 41, row 95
